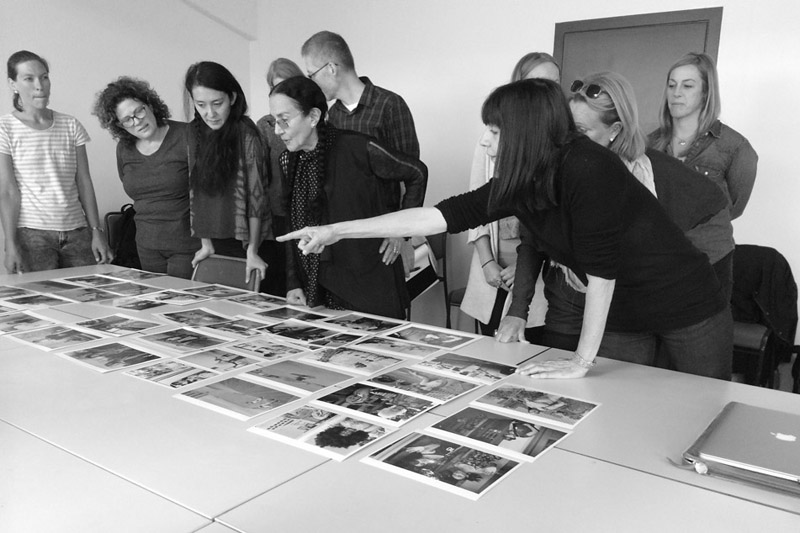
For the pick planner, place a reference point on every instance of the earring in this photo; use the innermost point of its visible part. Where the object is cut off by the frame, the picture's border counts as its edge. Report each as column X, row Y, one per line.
column 611, row 140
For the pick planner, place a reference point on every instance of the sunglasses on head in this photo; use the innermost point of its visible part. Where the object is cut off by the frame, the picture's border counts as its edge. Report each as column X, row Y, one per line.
column 591, row 91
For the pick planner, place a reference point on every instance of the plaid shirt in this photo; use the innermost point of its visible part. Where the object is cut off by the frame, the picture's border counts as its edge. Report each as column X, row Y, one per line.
column 385, row 116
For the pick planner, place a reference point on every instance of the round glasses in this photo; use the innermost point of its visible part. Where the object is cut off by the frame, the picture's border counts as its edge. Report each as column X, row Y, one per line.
column 138, row 114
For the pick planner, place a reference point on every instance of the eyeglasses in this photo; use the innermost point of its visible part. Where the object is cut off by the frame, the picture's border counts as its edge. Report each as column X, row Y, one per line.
column 284, row 122
column 591, row 91
column 138, row 114
column 311, row 76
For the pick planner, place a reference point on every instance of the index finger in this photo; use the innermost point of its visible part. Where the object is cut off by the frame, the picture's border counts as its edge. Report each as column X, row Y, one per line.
column 292, row 235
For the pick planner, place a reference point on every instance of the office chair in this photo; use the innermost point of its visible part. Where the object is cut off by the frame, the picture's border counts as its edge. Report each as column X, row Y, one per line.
column 113, row 222
column 438, row 244
column 226, row 270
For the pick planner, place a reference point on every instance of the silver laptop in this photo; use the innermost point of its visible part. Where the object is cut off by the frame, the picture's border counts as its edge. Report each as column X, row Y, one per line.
column 751, row 444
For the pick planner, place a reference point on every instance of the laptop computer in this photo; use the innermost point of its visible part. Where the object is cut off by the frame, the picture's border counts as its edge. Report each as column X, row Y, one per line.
column 751, row 444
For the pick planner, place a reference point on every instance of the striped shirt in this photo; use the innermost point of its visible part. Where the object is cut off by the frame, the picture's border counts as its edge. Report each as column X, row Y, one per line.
column 45, row 164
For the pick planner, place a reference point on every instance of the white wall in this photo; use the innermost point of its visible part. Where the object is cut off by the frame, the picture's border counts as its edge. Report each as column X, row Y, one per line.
column 445, row 56
column 88, row 43
column 442, row 56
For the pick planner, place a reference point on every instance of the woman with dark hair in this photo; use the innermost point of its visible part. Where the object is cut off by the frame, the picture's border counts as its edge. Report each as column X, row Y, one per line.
column 275, row 253
column 154, row 169
column 48, row 206
column 690, row 130
column 230, row 210
column 334, row 175
column 587, row 212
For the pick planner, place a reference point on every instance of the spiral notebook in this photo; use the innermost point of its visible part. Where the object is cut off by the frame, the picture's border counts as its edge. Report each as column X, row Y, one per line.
column 751, row 444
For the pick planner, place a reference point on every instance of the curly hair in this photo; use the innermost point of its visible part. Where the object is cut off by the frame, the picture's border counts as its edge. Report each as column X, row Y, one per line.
column 124, row 88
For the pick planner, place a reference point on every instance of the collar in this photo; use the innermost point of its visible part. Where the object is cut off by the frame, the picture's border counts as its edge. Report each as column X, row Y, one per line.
column 715, row 129
column 367, row 97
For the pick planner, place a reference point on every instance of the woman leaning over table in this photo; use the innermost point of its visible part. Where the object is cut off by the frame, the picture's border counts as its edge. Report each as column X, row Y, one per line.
column 587, row 212
column 47, row 200
column 230, row 209
column 334, row 175
column 492, row 272
column 154, row 169
column 690, row 130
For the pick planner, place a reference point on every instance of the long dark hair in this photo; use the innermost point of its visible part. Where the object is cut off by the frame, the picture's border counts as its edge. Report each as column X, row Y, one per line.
column 535, row 124
column 218, row 151
column 23, row 56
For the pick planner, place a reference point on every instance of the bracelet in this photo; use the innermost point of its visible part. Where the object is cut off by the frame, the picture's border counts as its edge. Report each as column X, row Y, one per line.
column 580, row 361
column 487, row 262
column 98, row 228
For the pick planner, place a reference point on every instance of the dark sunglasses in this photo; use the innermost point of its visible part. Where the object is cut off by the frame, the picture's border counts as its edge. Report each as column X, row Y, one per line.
column 591, row 91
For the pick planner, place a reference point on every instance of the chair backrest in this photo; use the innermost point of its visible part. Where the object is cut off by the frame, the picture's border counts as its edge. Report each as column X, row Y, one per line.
column 113, row 220
column 226, row 270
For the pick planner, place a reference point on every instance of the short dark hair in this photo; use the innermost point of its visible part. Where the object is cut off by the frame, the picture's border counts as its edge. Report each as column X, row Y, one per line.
column 306, row 93
column 331, row 48
column 535, row 123
column 22, row 56
column 124, row 88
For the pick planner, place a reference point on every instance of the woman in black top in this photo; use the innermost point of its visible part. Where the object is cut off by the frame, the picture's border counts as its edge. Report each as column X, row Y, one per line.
column 587, row 212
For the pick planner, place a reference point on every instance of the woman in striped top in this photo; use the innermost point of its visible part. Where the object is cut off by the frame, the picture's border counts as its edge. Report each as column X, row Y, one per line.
column 47, row 201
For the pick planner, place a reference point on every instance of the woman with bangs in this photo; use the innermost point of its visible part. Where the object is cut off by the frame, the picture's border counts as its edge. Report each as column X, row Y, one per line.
column 154, row 169
column 586, row 211
column 230, row 210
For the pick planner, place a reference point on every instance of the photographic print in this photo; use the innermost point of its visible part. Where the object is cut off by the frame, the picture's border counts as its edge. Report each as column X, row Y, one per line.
column 266, row 348
column 54, row 337
column 340, row 339
column 92, row 280
column 46, row 286
column 362, row 322
column 220, row 360
column 117, row 325
column 461, row 366
column 239, row 327
column 351, row 359
column 299, row 377
column 133, row 275
column 197, row 318
column 172, row 374
column 330, row 434
column 521, row 439
column 6, row 309
column 128, row 288
column 440, row 338
column 36, row 301
column 132, row 303
column 536, row 405
column 23, row 321
column 397, row 346
column 182, row 340
column 378, row 403
column 444, row 464
column 175, row 297
column 286, row 312
column 215, row 291
column 436, row 387
column 297, row 331
column 7, row 291
column 87, row 294
column 112, row 356
column 258, row 300
column 237, row 398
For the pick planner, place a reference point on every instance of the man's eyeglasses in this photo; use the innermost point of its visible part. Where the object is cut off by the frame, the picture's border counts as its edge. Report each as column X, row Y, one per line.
column 138, row 114
column 591, row 91
column 311, row 76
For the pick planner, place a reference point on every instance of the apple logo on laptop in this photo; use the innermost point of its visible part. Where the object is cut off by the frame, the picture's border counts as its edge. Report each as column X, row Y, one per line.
column 784, row 437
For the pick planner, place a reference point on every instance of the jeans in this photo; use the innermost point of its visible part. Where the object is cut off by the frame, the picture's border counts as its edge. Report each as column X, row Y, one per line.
column 176, row 263
column 48, row 249
column 703, row 349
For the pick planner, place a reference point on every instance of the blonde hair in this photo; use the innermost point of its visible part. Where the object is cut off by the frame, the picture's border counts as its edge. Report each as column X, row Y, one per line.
column 530, row 61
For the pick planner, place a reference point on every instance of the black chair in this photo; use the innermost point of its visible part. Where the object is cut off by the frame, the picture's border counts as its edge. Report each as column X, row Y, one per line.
column 764, row 294
column 226, row 270
column 427, row 275
column 113, row 221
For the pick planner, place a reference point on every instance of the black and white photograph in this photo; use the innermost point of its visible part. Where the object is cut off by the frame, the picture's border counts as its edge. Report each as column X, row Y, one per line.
column 87, row 294
column 7, row 291
column 258, row 300
column 237, row 397
column 132, row 303
column 37, row 301
column 111, row 356
column 239, row 327
column 299, row 377
column 216, row 291
column 47, row 286
column 266, row 348
column 533, row 404
column 129, row 288
column 133, row 274
column 340, row 339
column 298, row 331
column 23, row 321
column 445, row 464
column 91, row 280
column 285, row 312
column 220, row 360
column 173, row 374
column 55, row 337
column 117, row 325
column 183, row 340
column 420, row 382
column 397, row 346
column 378, row 403
column 521, row 439
column 471, row 368
column 196, row 318
column 351, row 360
column 362, row 322
column 439, row 338
column 331, row 434
column 175, row 297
